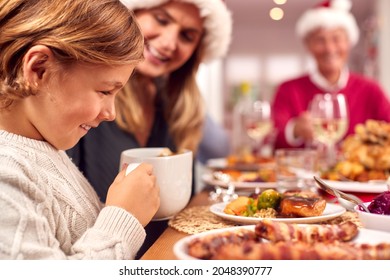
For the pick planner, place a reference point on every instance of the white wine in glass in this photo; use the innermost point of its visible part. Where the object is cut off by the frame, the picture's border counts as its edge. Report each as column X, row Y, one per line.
column 257, row 121
column 330, row 121
column 258, row 130
column 329, row 130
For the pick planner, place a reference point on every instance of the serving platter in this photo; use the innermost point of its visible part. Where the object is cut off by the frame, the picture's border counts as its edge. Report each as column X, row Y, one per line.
column 365, row 236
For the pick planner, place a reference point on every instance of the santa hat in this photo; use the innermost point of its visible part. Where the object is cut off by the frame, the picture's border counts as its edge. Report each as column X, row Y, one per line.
column 329, row 14
column 217, row 23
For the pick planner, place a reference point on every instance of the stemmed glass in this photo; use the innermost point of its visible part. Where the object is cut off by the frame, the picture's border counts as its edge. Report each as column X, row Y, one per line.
column 330, row 121
column 257, row 121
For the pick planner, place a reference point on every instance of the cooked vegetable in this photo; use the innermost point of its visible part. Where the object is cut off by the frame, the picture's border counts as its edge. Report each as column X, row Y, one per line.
column 237, row 206
column 269, row 199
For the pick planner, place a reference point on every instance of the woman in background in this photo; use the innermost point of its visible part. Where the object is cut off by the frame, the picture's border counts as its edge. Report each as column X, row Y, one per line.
column 329, row 31
column 161, row 105
column 62, row 63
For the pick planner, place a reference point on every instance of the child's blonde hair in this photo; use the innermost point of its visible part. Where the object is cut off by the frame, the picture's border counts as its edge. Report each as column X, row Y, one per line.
column 82, row 31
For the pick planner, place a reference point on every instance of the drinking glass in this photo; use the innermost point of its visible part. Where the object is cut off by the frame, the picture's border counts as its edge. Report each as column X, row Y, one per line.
column 330, row 121
column 257, row 121
column 295, row 169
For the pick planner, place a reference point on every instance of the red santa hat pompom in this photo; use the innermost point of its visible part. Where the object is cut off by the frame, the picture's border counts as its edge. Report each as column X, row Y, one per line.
column 329, row 14
column 217, row 23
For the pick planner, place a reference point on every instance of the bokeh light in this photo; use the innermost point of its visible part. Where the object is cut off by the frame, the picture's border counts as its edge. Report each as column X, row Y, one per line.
column 276, row 13
column 280, row 2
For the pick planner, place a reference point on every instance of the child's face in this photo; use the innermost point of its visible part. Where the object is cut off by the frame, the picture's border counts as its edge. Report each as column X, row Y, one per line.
column 71, row 103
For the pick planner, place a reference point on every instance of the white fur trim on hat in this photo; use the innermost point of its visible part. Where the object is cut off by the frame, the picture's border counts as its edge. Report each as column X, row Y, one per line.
column 336, row 15
column 217, row 23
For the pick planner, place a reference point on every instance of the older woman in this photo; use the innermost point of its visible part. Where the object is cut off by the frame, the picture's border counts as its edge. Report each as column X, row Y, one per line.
column 329, row 31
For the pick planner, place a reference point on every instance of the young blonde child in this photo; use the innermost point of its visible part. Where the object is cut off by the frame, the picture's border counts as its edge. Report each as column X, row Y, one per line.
column 62, row 62
column 161, row 106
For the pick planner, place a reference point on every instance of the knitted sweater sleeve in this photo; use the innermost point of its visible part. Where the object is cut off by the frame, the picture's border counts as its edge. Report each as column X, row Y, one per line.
column 33, row 226
column 115, row 235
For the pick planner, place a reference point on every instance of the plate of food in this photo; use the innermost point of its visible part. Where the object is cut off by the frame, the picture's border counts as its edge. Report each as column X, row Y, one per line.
column 243, row 163
column 364, row 162
column 261, row 179
column 273, row 240
column 294, row 206
column 331, row 211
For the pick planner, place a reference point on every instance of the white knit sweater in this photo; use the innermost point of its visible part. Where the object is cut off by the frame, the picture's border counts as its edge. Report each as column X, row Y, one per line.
column 48, row 210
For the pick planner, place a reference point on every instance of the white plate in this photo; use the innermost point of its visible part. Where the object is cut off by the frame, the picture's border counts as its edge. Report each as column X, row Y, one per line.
column 331, row 211
column 217, row 163
column 357, row 186
column 180, row 248
column 221, row 163
column 209, row 179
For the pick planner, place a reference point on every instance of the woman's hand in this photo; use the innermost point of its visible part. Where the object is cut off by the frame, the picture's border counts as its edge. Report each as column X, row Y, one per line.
column 137, row 193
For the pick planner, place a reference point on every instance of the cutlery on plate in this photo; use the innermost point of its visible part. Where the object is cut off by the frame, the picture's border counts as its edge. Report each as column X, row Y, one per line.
column 339, row 194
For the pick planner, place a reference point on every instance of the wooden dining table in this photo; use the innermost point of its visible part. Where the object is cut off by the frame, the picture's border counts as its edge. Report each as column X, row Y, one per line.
column 162, row 249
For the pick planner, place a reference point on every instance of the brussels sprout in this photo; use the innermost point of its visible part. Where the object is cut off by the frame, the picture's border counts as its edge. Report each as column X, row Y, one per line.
column 269, row 199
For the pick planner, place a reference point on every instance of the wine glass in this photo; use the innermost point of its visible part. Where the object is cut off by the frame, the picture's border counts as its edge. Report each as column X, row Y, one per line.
column 257, row 121
column 330, row 121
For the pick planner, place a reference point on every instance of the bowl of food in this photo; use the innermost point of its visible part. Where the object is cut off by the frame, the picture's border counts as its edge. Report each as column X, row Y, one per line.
column 379, row 216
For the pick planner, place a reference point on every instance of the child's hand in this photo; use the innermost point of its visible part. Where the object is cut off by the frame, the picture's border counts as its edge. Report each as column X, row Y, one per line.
column 137, row 193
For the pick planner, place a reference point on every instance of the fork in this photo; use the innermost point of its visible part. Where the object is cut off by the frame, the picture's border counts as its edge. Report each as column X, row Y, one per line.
column 340, row 194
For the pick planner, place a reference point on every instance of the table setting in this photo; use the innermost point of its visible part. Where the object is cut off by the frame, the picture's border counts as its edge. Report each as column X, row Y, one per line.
column 197, row 219
column 368, row 242
column 236, row 183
